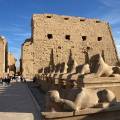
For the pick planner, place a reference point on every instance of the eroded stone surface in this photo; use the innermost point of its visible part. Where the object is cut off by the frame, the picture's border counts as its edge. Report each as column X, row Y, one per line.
column 56, row 39
column 3, row 56
column 27, row 59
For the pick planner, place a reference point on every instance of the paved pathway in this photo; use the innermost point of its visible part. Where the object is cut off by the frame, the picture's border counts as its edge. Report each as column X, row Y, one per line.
column 17, row 103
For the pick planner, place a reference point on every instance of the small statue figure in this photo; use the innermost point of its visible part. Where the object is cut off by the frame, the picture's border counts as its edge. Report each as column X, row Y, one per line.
column 65, row 68
column 73, row 71
column 85, row 69
column 106, row 70
column 74, row 67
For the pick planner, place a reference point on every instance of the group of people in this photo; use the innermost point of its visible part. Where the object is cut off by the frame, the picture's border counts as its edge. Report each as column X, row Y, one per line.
column 7, row 79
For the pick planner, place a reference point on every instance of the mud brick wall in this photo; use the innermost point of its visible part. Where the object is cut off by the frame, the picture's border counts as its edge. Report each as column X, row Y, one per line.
column 27, row 59
column 61, row 36
column 3, row 55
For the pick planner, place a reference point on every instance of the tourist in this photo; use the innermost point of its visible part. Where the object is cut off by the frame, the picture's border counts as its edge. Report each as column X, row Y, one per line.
column 21, row 78
column 4, row 81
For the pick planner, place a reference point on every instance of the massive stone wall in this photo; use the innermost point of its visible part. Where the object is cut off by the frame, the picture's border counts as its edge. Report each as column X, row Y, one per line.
column 11, row 63
column 3, row 56
column 60, row 37
column 27, row 59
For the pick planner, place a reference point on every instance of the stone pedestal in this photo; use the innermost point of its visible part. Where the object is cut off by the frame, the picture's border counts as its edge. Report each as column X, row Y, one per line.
column 112, row 113
column 111, row 83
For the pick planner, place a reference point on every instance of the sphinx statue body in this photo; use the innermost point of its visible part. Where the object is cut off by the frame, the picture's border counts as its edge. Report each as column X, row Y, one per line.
column 86, row 98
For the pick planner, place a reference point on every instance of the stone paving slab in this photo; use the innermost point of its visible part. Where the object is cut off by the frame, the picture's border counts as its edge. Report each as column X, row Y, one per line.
column 16, row 116
column 17, row 103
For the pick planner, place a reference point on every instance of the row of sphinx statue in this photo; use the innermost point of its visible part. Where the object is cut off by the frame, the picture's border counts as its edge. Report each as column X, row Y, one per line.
column 84, row 97
column 102, row 70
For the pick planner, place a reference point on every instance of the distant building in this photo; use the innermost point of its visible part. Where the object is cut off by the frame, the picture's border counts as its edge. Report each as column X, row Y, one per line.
column 56, row 38
column 3, row 56
column 26, row 60
column 11, row 64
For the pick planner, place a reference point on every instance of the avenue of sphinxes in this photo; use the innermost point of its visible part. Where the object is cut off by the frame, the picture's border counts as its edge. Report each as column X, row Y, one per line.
column 75, row 55
column 59, row 60
column 75, row 62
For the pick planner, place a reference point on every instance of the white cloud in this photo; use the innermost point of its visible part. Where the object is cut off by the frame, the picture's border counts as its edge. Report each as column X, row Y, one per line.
column 111, row 3
column 23, row 34
column 11, row 29
column 118, row 50
column 25, row 17
column 113, row 17
column 18, row 25
column 118, row 44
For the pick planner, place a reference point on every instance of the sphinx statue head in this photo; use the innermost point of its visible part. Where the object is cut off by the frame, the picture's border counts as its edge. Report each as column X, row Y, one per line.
column 74, row 67
column 85, row 69
column 65, row 68
column 103, row 69
column 43, row 70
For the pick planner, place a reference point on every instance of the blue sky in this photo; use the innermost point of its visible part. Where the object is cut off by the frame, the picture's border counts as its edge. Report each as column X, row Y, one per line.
column 15, row 16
